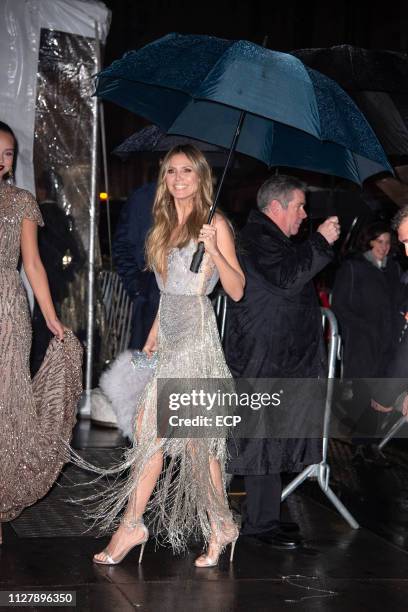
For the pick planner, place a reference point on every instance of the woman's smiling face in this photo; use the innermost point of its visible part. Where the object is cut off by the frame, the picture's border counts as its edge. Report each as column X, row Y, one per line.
column 181, row 178
column 380, row 246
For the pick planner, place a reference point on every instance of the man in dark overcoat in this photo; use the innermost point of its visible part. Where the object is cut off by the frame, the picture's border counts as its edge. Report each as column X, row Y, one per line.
column 129, row 258
column 386, row 392
column 275, row 331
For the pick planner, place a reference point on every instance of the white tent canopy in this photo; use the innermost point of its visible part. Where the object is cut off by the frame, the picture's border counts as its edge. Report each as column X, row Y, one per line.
column 21, row 22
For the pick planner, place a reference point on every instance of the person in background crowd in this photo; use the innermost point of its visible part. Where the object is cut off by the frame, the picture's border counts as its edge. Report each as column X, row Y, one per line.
column 368, row 296
column 385, row 393
column 367, row 299
column 129, row 258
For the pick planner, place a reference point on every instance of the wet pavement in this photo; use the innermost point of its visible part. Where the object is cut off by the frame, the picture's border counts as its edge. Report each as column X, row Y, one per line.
column 338, row 568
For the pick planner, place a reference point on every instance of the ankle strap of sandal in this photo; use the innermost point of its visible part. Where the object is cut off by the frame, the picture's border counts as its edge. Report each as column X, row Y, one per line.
column 132, row 523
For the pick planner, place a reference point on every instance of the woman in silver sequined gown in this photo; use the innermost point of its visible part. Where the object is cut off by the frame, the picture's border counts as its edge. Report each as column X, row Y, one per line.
column 36, row 416
column 189, row 493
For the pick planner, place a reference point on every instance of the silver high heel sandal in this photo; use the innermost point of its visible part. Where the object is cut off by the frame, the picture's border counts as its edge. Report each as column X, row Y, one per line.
column 207, row 560
column 129, row 524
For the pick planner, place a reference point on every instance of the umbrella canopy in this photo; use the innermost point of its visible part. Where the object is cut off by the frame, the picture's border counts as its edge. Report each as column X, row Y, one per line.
column 377, row 80
column 152, row 140
column 197, row 86
column 358, row 69
column 387, row 113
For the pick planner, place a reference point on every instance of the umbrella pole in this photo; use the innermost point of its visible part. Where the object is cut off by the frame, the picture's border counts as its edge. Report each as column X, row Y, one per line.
column 198, row 255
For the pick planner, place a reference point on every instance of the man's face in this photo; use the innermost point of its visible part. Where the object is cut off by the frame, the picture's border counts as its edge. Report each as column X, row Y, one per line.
column 403, row 235
column 293, row 215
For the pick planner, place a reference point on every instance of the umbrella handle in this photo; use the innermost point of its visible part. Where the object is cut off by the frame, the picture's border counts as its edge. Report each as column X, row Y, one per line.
column 197, row 258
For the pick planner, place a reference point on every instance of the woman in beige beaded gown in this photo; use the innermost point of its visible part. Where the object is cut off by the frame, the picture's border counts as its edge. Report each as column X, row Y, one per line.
column 36, row 416
column 185, row 493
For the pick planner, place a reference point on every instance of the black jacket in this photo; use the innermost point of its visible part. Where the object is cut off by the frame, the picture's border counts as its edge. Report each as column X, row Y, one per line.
column 128, row 256
column 275, row 331
column 386, row 390
column 366, row 302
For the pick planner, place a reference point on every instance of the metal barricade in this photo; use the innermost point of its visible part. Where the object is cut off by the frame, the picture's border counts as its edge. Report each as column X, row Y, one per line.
column 321, row 471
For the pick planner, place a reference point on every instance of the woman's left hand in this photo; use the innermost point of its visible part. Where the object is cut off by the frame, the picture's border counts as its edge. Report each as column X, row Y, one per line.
column 208, row 235
column 56, row 327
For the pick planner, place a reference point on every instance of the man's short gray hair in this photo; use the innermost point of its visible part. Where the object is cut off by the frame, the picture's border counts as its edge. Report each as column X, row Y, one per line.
column 400, row 217
column 279, row 187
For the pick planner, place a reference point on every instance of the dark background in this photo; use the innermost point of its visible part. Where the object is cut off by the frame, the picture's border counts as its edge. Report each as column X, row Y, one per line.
column 289, row 25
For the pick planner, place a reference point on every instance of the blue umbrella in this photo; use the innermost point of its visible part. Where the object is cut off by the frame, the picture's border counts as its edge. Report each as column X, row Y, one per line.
column 235, row 94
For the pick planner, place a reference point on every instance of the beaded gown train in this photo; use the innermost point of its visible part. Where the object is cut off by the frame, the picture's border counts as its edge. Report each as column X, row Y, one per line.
column 37, row 416
column 184, row 500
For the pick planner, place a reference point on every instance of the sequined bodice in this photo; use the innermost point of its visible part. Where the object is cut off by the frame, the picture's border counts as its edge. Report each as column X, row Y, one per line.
column 180, row 281
column 15, row 204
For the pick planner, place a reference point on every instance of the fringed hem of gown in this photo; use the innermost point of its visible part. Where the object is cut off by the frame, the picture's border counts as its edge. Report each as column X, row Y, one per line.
column 36, row 451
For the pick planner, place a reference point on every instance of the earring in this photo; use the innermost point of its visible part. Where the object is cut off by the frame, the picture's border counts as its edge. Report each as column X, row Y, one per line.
column 10, row 178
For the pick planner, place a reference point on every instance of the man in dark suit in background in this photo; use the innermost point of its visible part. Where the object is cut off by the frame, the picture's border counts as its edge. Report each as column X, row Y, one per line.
column 386, row 392
column 128, row 255
column 275, row 332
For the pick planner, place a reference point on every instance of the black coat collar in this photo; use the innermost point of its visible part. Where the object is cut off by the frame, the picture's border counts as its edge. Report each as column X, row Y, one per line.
column 259, row 218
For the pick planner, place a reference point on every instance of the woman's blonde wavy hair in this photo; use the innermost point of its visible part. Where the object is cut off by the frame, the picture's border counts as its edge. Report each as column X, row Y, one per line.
column 164, row 211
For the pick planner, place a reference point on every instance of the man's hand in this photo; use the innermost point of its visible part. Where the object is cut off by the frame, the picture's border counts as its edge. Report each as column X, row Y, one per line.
column 405, row 406
column 330, row 229
column 379, row 407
